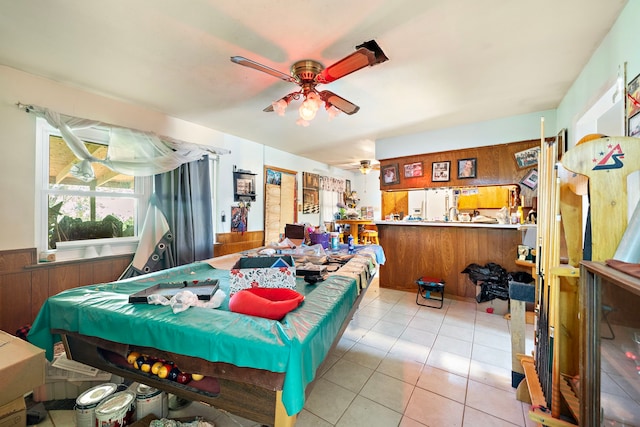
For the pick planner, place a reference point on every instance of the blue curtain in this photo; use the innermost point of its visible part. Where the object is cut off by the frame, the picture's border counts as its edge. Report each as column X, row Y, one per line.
column 184, row 196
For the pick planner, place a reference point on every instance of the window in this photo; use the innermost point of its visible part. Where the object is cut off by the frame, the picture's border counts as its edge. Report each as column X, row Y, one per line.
column 83, row 219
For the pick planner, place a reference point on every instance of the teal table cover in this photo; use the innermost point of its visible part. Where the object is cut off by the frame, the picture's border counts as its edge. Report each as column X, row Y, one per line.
column 296, row 345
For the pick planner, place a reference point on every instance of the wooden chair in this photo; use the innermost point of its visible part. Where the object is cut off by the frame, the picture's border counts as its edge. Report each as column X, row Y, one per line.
column 369, row 234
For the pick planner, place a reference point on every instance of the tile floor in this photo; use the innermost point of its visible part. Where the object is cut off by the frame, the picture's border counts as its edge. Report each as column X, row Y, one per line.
column 399, row 364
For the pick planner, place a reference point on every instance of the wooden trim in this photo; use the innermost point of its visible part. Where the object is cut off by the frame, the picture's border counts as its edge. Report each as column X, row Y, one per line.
column 273, row 168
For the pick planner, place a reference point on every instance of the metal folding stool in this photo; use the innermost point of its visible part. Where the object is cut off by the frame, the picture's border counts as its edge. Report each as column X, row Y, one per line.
column 427, row 286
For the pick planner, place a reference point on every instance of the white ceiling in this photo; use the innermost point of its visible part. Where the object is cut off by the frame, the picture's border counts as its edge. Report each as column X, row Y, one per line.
column 450, row 61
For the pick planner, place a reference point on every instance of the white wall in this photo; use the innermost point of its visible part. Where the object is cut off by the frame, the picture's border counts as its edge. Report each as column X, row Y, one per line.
column 368, row 187
column 17, row 144
column 493, row 132
column 249, row 155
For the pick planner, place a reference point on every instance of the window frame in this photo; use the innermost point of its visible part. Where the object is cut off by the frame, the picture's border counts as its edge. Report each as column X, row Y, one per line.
column 82, row 248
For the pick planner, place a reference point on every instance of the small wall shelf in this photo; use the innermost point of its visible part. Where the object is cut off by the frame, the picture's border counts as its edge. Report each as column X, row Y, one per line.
column 244, row 186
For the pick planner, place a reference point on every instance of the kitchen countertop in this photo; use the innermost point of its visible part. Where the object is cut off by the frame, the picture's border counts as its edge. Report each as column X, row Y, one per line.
column 456, row 224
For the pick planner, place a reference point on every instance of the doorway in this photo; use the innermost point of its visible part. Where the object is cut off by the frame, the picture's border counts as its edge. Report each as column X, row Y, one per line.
column 280, row 202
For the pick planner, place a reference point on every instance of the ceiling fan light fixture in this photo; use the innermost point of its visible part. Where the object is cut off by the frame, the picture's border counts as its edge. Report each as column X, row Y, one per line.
column 308, row 110
column 365, row 167
column 279, row 106
column 332, row 111
column 310, row 106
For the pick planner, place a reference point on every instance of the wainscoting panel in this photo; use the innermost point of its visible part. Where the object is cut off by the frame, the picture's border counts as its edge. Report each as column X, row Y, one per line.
column 25, row 285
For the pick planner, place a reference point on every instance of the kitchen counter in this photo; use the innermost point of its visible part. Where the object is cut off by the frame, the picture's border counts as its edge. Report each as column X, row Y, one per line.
column 454, row 224
column 444, row 250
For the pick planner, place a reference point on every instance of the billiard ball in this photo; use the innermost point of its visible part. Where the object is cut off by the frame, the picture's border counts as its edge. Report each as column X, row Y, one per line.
column 183, row 378
column 155, row 367
column 163, row 371
column 140, row 361
column 131, row 358
column 173, row 374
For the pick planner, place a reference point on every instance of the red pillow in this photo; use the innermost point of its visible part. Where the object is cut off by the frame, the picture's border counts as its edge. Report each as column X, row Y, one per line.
column 270, row 303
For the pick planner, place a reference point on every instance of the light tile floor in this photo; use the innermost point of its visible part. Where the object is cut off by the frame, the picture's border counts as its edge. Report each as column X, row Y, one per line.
column 400, row 364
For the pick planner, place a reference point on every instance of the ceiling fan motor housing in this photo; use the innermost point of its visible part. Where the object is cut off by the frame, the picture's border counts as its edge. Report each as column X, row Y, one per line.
column 305, row 71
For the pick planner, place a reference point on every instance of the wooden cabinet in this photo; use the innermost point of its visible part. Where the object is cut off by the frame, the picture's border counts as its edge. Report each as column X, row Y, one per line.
column 610, row 351
column 394, row 202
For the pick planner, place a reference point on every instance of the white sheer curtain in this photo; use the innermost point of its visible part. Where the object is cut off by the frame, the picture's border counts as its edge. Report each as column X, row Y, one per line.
column 330, row 193
column 131, row 152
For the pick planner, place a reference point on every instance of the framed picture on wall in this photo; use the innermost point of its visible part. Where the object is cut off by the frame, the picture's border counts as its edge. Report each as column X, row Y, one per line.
column 390, row 175
column 413, row 170
column 633, row 98
column 527, row 158
column 467, row 168
column 634, row 125
column 440, row 171
column 531, row 179
column 561, row 141
column 310, row 180
column 238, row 219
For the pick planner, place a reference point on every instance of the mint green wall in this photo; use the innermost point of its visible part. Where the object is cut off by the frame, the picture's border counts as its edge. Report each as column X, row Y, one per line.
column 619, row 46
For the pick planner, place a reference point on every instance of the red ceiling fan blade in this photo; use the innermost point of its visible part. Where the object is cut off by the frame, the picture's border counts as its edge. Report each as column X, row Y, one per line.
column 339, row 102
column 367, row 54
column 347, row 65
column 257, row 66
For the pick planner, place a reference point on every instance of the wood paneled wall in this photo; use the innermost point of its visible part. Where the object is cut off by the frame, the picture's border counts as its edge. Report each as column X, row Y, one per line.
column 231, row 243
column 25, row 284
column 495, row 165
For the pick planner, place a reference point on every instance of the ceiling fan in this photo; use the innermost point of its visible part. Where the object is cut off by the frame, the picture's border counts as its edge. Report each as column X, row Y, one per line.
column 309, row 73
column 364, row 166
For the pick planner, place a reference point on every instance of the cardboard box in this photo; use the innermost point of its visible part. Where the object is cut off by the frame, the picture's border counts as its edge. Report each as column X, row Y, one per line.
column 263, row 272
column 14, row 413
column 21, row 367
column 68, row 379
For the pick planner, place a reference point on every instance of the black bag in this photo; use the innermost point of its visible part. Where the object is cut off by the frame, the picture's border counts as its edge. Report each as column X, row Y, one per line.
column 493, row 281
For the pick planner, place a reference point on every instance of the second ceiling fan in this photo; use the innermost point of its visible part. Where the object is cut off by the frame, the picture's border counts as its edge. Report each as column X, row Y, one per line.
column 310, row 73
